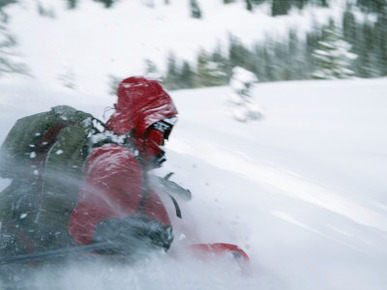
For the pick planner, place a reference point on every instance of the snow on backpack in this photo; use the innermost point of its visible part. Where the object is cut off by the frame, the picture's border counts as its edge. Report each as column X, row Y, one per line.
column 44, row 155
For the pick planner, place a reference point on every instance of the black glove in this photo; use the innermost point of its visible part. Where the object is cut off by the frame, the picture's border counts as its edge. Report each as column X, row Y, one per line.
column 133, row 235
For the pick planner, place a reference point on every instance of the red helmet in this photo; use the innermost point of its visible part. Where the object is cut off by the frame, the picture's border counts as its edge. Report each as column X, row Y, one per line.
column 143, row 107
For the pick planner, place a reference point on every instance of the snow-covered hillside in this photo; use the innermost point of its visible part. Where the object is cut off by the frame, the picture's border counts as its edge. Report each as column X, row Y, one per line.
column 303, row 191
column 83, row 47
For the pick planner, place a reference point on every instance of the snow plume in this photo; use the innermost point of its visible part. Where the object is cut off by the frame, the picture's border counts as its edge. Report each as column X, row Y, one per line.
column 158, row 272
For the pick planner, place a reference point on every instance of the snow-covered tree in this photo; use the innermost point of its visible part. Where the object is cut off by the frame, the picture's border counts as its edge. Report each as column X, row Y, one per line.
column 249, row 6
column 151, row 67
column 242, row 83
column 333, row 58
column 186, row 76
column 107, row 3
column 210, row 71
column 280, row 7
column 71, row 4
column 171, row 80
column 381, row 38
column 4, row 3
column 114, row 81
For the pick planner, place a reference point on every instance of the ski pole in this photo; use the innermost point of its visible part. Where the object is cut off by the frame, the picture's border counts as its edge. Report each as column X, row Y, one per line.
column 52, row 254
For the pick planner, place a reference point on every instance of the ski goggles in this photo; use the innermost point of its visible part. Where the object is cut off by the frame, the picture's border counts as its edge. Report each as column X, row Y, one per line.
column 165, row 126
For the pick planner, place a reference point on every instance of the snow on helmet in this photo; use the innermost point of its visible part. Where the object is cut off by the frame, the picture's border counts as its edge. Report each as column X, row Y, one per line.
column 144, row 108
column 141, row 102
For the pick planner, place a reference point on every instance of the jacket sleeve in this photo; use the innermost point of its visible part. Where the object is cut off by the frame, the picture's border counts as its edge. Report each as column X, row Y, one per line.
column 112, row 188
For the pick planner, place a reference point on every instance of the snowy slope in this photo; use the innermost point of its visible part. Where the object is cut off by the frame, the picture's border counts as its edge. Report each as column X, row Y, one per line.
column 87, row 45
column 303, row 191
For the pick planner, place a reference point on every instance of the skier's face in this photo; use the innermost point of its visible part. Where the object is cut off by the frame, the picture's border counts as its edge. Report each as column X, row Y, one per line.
column 153, row 151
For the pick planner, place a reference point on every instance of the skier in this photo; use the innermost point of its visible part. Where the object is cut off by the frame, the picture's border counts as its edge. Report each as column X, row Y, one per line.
column 116, row 202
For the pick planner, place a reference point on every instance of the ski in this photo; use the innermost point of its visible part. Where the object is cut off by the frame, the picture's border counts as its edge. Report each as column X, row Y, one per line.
column 220, row 249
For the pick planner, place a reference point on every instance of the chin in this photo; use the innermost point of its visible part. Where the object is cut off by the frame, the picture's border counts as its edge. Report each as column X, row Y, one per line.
column 157, row 161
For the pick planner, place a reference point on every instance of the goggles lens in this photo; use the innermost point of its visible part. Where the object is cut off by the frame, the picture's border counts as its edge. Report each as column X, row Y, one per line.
column 162, row 126
column 165, row 126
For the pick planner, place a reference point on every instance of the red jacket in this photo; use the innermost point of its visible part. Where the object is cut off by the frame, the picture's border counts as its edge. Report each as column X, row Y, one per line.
column 114, row 179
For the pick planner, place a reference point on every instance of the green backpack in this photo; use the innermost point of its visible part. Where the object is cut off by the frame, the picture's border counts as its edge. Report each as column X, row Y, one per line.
column 44, row 155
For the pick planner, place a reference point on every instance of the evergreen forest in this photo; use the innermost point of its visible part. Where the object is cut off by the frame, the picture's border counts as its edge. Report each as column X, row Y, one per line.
column 356, row 47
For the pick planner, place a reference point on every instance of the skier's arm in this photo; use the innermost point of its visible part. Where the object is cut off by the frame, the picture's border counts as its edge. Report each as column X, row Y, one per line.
column 112, row 189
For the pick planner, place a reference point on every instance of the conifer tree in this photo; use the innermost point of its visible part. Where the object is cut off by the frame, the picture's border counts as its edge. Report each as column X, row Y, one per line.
column 332, row 57
column 71, row 4
column 371, row 5
column 367, row 62
column 350, row 27
column 280, row 7
column 240, row 55
column 296, row 63
column 209, row 71
column 186, row 76
column 172, row 79
column 249, row 6
column 151, row 69
column 107, row 3
column 4, row 3
column 196, row 12
column 324, row 3
column 381, row 38
column 114, row 82
column 300, row 3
